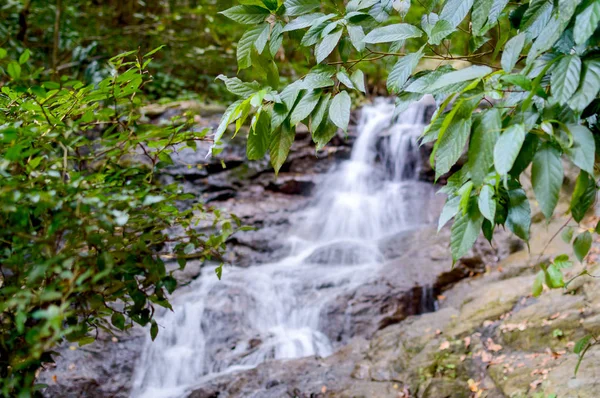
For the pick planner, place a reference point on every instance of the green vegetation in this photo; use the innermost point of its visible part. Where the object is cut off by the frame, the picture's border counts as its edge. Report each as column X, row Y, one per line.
column 83, row 219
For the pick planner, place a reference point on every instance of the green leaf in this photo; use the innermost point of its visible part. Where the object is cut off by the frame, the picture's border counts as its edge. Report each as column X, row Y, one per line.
column 512, row 52
column 486, row 202
column 339, row 110
column 586, row 23
column 450, row 210
column 357, row 35
column 324, row 133
column 451, row 146
column 246, row 43
column 567, row 235
column 588, row 87
column 581, row 344
column 479, row 15
column 486, row 130
column 563, row 261
column 14, row 70
column 313, row 35
column 279, row 147
column 463, row 75
column 118, row 320
column 153, row 330
column 465, row 196
column 547, row 178
column 299, row 7
column 258, row 139
column 305, row 107
column 326, row 46
column 554, row 277
column 262, row 39
column 248, row 15
column 440, row 31
column 582, row 153
column 24, row 57
column 219, row 271
column 508, row 147
column 345, row 79
column 582, row 245
column 455, row 11
column 276, row 38
column 303, row 22
column 565, row 78
column 465, row 231
column 238, row 87
column 583, row 196
column 536, row 17
column 390, row 33
column 227, row 118
column 320, row 112
column 318, row 78
column 550, row 33
column 402, row 71
column 428, row 21
column 358, row 79
column 496, row 11
column 519, row 213
column 538, row 284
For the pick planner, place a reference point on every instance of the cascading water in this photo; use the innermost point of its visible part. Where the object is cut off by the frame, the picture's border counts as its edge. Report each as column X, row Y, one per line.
column 272, row 311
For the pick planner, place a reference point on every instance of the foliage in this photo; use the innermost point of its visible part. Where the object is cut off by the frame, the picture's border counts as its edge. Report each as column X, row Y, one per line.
column 85, row 225
column 526, row 95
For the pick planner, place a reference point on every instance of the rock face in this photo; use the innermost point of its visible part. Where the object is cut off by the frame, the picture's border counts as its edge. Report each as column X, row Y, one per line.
column 489, row 338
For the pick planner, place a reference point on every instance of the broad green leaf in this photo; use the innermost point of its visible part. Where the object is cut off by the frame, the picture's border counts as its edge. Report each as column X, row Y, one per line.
column 313, row 35
column 488, row 230
column 404, row 101
column 357, row 35
column 14, row 70
column 567, row 235
column 486, row 130
column 299, row 7
column 586, row 23
column 536, row 17
column 583, row 196
column 320, row 112
column 326, row 46
column 526, row 154
column 303, row 21
column 562, row 261
column 550, row 33
column 358, row 79
column 392, row 33
column 402, row 71
column 465, row 231
column 465, row 196
column 276, row 38
column 24, row 57
column 455, row 11
column 118, row 320
column 565, row 78
column 238, row 87
column 512, row 52
column 583, row 151
column 440, row 31
column 547, row 178
column 554, row 277
column 428, row 21
column 258, row 139
column 497, row 7
column 345, row 79
column 153, row 330
column 588, row 87
column 339, row 110
column 581, row 344
column 508, row 147
column 246, row 43
column 463, row 75
column 449, row 211
column 262, row 39
column 279, row 147
column 319, row 78
column 381, row 9
column 487, row 203
column 451, row 146
column 538, row 284
column 324, row 133
column 582, row 245
column 479, row 15
column 519, row 213
column 248, row 15
column 227, row 118
column 305, row 107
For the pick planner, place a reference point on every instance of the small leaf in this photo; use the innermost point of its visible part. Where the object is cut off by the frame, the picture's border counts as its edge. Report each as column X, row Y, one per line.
column 582, row 245
column 305, row 107
column 459, row 76
column 486, row 130
column 14, row 70
column 583, row 196
column 519, row 214
column 451, row 146
column 326, row 46
column 547, row 178
column 465, row 231
column 479, row 15
column 586, row 23
column 588, row 87
column 449, row 211
column 339, row 110
column 258, row 139
column 219, row 271
column 249, row 15
column 512, row 52
column 324, row 133
column 402, row 71
column 358, row 78
column 486, row 202
column 320, row 112
column 281, row 142
column 455, row 11
column 118, row 320
column 554, row 277
column 583, row 151
column 247, row 42
column 302, row 22
column 357, row 36
column 153, row 330
column 299, row 7
column 24, row 57
column 345, row 79
column 391, row 33
column 508, row 147
column 538, row 284
column 440, row 31
column 567, row 235
column 581, row 344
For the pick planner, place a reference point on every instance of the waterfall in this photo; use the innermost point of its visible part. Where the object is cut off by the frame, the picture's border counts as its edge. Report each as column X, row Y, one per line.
column 272, row 311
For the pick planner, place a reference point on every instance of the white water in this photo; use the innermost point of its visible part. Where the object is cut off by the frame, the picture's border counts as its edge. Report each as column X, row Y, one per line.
column 272, row 311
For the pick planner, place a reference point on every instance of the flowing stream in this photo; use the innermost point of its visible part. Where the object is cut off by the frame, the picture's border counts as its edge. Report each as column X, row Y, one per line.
column 272, row 311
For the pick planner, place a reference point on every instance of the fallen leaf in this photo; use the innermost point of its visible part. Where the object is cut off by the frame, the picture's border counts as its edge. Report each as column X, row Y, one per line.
column 323, row 389
column 467, row 341
column 445, row 345
column 54, row 378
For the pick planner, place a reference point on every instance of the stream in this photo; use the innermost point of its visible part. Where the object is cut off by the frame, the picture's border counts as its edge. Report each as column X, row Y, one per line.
column 275, row 311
